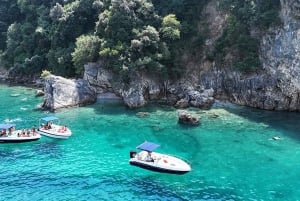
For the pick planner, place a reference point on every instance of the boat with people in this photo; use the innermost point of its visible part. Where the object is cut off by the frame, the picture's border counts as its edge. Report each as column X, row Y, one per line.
column 10, row 135
column 157, row 162
column 51, row 127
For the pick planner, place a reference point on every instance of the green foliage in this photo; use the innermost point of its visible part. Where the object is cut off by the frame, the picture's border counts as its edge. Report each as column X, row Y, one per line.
column 60, row 61
column 170, row 27
column 9, row 13
column 236, row 47
column 45, row 73
column 47, row 30
column 130, row 37
column 260, row 13
column 127, row 35
column 85, row 51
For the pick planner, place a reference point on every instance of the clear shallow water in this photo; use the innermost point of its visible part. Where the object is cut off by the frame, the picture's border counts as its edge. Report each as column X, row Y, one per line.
column 231, row 154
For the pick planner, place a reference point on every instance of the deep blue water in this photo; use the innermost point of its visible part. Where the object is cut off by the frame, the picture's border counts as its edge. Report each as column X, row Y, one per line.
column 231, row 153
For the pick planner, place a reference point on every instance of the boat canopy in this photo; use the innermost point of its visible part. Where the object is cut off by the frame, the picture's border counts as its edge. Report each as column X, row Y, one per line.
column 51, row 118
column 7, row 126
column 148, row 146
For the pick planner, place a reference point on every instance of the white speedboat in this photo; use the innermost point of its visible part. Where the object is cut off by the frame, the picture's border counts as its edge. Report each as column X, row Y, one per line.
column 50, row 127
column 157, row 162
column 10, row 135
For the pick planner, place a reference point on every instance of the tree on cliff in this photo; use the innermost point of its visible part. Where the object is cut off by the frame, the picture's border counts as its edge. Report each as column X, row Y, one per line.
column 87, row 47
column 237, row 39
column 128, row 35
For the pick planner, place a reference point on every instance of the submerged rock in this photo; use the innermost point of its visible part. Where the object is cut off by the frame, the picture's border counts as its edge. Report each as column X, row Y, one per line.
column 186, row 118
column 39, row 93
column 142, row 114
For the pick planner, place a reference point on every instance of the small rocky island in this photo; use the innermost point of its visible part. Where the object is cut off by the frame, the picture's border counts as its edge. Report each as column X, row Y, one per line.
column 186, row 118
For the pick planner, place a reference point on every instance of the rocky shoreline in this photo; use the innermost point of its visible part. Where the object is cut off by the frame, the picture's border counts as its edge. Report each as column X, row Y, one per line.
column 60, row 92
column 274, row 87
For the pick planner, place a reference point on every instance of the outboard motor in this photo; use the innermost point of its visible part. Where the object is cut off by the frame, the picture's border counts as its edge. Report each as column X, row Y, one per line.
column 132, row 154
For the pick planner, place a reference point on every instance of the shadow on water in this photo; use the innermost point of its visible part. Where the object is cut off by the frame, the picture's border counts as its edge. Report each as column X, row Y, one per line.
column 13, row 151
column 129, row 188
column 149, row 186
column 288, row 123
column 117, row 107
column 49, row 148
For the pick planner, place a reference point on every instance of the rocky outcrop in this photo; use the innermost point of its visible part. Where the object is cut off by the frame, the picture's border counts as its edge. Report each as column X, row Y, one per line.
column 100, row 78
column 275, row 87
column 39, row 92
column 3, row 74
column 186, row 118
column 143, row 89
column 280, row 52
column 191, row 96
column 61, row 92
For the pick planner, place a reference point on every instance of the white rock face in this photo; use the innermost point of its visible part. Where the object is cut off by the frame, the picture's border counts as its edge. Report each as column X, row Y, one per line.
column 61, row 92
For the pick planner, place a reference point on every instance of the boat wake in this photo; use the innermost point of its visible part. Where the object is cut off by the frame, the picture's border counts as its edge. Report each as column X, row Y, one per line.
column 12, row 120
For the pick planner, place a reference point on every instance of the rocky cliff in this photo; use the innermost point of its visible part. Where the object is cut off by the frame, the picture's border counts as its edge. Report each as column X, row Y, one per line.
column 61, row 92
column 275, row 87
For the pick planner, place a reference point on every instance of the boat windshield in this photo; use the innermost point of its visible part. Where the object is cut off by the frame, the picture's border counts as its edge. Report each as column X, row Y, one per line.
column 148, row 146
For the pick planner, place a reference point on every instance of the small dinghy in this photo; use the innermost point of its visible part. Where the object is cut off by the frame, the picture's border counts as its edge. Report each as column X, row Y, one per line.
column 10, row 135
column 157, row 162
column 50, row 127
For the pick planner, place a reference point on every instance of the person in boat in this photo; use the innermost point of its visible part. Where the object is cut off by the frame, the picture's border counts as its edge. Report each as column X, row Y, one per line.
column 23, row 133
column 3, row 133
column 10, row 130
column 63, row 129
column 43, row 126
column 34, row 130
column 49, row 125
column 149, row 157
column 28, row 132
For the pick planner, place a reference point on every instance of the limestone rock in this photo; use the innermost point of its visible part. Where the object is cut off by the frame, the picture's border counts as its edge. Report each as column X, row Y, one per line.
column 61, row 92
column 133, row 97
column 186, row 118
column 39, row 93
column 182, row 103
column 275, row 87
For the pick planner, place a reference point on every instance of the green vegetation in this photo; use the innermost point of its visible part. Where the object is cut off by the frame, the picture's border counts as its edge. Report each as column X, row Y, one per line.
column 126, row 35
column 237, row 47
column 45, row 73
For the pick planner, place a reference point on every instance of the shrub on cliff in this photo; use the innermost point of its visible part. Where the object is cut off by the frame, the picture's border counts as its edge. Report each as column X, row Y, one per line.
column 237, row 40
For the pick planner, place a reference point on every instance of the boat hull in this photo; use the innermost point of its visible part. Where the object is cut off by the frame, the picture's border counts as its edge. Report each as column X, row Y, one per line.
column 55, row 132
column 158, row 162
column 17, row 136
column 50, row 127
column 156, row 168
column 54, row 135
column 2, row 140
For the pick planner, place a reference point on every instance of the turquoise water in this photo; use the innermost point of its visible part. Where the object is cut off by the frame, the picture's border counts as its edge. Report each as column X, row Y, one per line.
column 231, row 153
